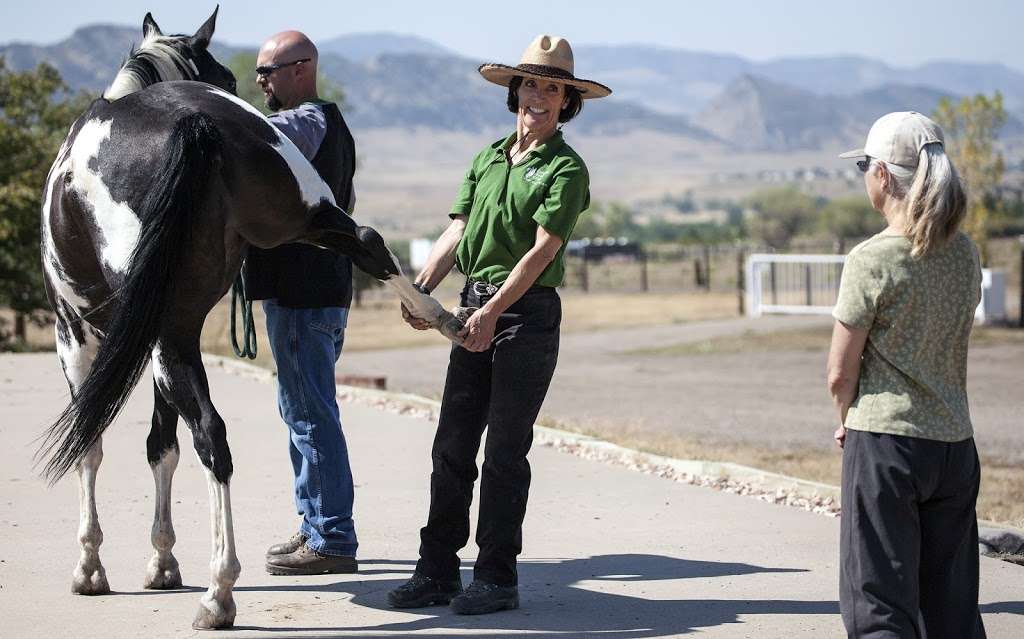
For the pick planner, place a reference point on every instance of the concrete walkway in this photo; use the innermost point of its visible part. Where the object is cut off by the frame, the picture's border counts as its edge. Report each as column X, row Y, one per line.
column 607, row 551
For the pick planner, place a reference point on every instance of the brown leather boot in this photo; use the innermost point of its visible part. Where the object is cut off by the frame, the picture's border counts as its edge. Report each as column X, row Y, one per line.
column 306, row 561
column 288, row 547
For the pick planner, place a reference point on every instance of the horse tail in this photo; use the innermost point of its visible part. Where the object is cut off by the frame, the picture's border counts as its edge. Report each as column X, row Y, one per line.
column 143, row 299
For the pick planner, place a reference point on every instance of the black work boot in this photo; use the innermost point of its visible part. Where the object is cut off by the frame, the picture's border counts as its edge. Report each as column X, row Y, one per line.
column 288, row 547
column 421, row 591
column 482, row 597
column 306, row 561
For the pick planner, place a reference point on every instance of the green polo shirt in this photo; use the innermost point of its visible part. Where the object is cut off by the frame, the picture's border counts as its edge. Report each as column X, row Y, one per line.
column 505, row 203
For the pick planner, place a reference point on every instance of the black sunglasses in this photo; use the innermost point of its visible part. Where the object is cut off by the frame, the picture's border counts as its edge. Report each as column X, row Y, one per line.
column 864, row 164
column 267, row 69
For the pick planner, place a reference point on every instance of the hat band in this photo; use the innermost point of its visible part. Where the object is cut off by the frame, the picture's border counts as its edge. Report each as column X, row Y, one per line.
column 543, row 69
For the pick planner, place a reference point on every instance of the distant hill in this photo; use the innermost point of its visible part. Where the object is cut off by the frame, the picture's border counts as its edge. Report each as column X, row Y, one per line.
column 389, row 81
column 361, row 47
column 679, row 81
column 755, row 113
column 668, row 80
column 446, row 92
column 87, row 59
column 90, row 57
column 400, row 81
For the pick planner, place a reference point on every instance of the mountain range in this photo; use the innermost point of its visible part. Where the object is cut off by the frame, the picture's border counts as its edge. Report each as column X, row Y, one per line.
column 393, row 80
column 677, row 81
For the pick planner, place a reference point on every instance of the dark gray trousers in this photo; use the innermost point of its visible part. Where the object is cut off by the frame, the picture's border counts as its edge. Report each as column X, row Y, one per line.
column 909, row 538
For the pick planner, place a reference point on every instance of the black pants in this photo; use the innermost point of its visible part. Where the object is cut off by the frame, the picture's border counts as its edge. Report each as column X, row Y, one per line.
column 501, row 389
column 909, row 538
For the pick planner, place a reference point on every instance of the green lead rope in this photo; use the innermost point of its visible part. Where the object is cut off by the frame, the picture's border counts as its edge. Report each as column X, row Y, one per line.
column 238, row 296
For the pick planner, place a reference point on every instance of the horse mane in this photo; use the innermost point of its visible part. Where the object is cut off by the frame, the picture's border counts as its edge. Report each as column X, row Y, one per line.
column 156, row 60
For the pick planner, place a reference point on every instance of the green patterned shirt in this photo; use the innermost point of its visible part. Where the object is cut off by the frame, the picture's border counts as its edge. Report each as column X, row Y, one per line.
column 918, row 313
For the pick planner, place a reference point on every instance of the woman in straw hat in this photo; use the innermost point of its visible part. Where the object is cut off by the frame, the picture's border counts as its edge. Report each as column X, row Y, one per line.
column 897, row 373
column 514, row 213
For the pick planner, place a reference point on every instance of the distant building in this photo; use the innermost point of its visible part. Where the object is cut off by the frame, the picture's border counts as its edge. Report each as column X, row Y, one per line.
column 419, row 251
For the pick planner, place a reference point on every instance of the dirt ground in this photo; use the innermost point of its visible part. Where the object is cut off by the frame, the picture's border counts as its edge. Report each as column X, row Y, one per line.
column 376, row 324
column 740, row 390
column 680, row 375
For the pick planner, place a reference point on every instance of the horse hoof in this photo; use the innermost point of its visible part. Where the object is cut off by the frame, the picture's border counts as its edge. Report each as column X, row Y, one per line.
column 91, row 583
column 162, row 575
column 217, row 619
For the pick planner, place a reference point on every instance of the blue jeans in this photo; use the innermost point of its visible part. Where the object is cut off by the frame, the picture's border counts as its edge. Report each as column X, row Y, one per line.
column 306, row 343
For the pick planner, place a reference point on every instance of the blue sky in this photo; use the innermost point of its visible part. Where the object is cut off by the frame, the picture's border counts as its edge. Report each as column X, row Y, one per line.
column 901, row 33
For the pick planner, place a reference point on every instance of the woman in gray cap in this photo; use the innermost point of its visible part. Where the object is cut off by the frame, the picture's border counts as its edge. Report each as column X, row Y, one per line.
column 515, row 211
column 897, row 373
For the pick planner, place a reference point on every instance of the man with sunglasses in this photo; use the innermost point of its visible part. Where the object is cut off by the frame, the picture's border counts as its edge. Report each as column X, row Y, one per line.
column 307, row 292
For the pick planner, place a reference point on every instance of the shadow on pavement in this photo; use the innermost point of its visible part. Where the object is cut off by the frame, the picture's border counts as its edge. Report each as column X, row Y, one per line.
column 552, row 602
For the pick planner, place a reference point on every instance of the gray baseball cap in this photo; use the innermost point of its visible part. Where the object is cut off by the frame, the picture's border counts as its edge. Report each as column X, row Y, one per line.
column 897, row 138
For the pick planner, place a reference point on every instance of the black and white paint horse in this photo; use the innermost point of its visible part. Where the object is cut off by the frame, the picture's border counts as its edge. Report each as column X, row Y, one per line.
column 149, row 206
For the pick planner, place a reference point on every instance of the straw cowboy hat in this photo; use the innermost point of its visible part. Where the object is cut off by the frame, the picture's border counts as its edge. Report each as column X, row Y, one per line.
column 547, row 58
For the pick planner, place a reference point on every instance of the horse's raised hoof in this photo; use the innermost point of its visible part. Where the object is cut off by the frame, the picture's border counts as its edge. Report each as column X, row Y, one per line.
column 213, row 616
column 162, row 575
column 93, row 582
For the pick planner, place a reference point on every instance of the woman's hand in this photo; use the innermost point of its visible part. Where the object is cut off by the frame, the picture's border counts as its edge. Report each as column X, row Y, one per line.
column 415, row 322
column 840, row 435
column 479, row 330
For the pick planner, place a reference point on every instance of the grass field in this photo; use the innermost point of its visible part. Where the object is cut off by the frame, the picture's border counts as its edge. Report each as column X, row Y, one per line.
column 813, row 340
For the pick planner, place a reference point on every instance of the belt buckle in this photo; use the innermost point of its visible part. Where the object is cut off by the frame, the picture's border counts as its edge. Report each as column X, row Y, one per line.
column 484, row 288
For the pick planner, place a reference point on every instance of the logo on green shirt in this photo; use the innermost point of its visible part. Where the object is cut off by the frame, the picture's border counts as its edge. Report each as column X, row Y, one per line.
column 532, row 174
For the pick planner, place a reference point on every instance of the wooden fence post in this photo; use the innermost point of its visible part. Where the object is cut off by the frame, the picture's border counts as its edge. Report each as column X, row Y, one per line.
column 741, row 290
column 807, row 283
column 1020, row 285
column 707, row 267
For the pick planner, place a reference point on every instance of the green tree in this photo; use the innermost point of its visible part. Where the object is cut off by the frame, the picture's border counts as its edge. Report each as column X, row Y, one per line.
column 618, row 221
column 588, row 225
column 971, row 126
column 781, row 214
column 850, row 218
column 607, row 220
column 243, row 65
column 36, row 110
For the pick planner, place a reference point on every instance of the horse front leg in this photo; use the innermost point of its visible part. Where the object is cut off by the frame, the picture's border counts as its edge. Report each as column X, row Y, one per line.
column 180, row 377
column 162, row 572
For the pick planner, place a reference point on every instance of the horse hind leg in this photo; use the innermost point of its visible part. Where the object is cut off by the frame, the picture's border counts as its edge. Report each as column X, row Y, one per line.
column 336, row 231
column 77, row 343
column 162, row 572
column 332, row 229
column 181, row 379
column 89, row 577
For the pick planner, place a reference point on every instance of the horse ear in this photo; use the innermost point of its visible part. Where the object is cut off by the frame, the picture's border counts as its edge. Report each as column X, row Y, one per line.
column 202, row 37
column 150, row 27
